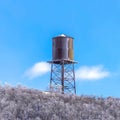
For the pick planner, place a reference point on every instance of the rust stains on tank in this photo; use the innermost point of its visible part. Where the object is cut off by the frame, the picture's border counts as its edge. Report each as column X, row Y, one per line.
column 62, row 48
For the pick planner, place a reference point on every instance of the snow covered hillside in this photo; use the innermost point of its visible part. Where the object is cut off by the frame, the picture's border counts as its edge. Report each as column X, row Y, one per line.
column 29, row 104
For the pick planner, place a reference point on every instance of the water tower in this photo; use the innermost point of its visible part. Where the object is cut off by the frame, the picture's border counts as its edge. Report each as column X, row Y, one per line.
column 62, row 77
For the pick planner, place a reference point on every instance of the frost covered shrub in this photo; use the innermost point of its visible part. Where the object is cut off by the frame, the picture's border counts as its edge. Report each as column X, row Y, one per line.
column 28, row 104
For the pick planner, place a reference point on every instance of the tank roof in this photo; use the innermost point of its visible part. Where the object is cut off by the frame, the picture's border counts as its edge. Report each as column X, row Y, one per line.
column 63, row 36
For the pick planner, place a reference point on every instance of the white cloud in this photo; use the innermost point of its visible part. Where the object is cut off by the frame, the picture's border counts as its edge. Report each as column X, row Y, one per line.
column 37, row 70
column 91, row 73
column 83, row 73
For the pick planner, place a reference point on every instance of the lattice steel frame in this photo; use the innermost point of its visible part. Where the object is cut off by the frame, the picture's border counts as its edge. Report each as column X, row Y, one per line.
column 62, row 77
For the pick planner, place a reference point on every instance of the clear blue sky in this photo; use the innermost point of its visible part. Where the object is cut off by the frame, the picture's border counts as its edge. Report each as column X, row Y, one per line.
column 26, row 29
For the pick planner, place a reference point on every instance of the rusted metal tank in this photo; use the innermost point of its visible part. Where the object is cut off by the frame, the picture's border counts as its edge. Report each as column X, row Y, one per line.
column 62, row 48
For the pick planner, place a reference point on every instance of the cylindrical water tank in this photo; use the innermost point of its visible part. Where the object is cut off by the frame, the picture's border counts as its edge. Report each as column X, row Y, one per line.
column 62, row 48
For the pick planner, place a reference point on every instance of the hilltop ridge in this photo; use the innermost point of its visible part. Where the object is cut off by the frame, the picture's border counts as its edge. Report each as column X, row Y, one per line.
column 20, row 103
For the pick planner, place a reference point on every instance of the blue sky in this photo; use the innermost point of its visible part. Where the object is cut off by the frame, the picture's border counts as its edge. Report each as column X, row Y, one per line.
column 26, row 29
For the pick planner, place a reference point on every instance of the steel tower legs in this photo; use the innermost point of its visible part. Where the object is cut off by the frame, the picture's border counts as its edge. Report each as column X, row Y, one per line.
column 62, row 78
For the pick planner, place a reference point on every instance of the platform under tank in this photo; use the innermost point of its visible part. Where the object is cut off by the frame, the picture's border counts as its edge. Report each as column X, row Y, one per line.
column 62, row 48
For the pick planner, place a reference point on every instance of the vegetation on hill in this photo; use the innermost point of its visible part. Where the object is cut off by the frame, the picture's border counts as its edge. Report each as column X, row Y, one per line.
column 28, row 104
